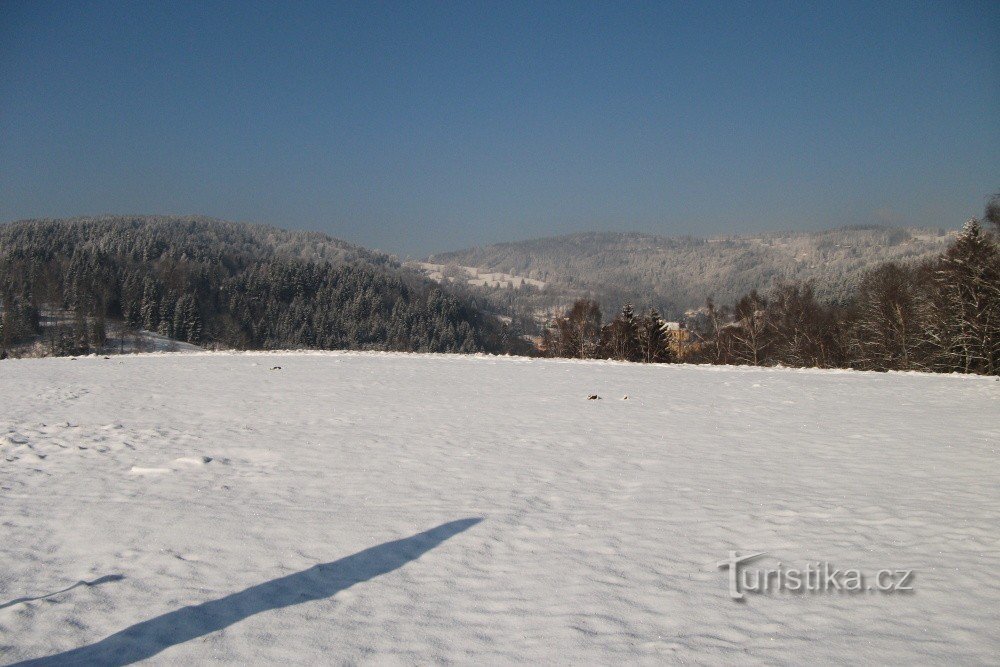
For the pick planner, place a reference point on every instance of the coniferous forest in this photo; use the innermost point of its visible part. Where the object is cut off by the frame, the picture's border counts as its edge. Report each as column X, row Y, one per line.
column 77, row 286
column 223, row 285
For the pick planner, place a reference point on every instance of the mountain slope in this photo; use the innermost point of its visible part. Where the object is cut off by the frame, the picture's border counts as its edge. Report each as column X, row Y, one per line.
column 677, row 273
column 220, row 284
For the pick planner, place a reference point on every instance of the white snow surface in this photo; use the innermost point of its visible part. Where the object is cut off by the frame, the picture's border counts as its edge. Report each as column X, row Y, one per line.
column 391, row 508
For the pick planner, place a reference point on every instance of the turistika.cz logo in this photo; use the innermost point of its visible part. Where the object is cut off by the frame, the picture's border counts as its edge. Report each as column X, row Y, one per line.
column 816, row 577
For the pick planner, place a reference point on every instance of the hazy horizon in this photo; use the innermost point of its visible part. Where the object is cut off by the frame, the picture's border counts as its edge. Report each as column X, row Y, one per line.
column 417, row 128
column 441, row 251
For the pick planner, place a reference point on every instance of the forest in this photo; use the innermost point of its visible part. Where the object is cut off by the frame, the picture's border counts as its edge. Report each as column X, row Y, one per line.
column 220, row 285
column 940, row 315
column 677, row 274
column 85, row 285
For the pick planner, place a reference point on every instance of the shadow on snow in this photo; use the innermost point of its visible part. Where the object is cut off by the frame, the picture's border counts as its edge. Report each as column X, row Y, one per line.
column 94, row 582
column 148, row 638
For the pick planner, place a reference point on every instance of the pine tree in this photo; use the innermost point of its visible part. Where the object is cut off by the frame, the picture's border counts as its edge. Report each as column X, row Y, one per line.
column 622, row 336
column 149, row 307
column 655, row 339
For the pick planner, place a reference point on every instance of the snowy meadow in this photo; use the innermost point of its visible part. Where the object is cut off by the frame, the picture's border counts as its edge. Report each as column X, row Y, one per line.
column 318, row 508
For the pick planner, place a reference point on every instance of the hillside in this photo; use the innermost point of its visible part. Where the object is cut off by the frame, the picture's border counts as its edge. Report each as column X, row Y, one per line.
column 678, row 273
column 350, row 508
column 68, row 286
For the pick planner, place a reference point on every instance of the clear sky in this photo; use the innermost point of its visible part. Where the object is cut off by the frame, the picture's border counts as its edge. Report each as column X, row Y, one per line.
column 435, row 125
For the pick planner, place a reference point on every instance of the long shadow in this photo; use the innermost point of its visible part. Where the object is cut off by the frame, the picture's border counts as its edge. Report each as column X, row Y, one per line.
column 93, row 582
column 148, row 638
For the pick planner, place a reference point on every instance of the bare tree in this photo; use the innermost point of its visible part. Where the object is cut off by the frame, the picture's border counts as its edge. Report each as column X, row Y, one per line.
column 751, row 335
column 965, row 304
column 805, row 332
column 889, row 321
column 577, row 333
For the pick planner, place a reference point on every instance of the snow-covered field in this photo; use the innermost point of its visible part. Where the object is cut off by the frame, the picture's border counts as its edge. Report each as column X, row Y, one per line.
column 423, row 509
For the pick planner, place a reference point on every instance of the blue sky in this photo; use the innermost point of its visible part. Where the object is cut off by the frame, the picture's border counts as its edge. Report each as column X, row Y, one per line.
column 418, row 127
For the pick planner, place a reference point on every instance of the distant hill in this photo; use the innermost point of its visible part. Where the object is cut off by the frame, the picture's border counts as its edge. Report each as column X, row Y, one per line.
column 675, row 274
column 68, row 286
column 196, row 236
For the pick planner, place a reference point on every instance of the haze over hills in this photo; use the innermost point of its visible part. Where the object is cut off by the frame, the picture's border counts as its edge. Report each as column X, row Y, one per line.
column 77, row 283
column 675, row 274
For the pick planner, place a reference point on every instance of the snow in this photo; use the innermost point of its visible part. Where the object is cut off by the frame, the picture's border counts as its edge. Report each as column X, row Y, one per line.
column 477, row 277
column 119, row 340
column 150, row 341
column 387, row 508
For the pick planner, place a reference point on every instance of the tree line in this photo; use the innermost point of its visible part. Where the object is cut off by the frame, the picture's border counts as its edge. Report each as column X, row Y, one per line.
column 940, row 315
column 218, row 284
column 579, row 334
